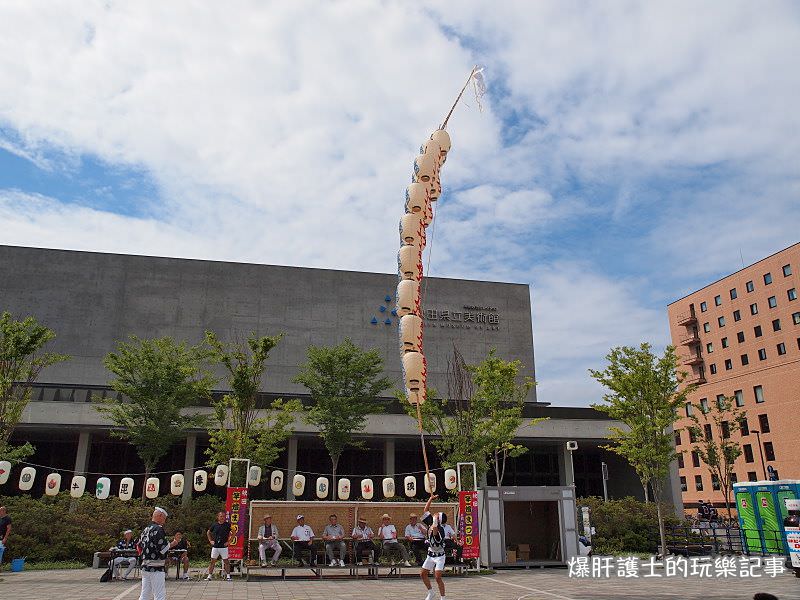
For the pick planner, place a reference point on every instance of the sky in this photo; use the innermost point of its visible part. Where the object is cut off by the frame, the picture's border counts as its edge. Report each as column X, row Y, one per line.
column 627, row 153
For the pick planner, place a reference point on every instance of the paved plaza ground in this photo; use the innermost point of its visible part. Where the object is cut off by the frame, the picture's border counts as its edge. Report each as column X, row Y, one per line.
column 545, row 584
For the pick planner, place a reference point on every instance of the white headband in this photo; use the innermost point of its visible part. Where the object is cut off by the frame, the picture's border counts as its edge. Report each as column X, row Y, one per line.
column 161, row 510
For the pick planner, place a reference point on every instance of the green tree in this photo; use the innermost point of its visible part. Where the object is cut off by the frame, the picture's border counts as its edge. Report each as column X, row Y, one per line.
column 242, row 430
column 645, row 396
column 345, row 383
column 481, row 417
column 158, row 379
column 715, row 446
column 21, row 362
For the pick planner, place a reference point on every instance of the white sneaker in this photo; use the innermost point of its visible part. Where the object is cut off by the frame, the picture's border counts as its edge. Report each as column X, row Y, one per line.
column 406, row 564
column 209, row 577
column 430, row 595
column 228, row 578
column 341, row 562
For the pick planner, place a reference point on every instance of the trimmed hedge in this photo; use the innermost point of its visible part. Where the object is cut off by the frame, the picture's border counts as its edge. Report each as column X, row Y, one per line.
column 44, row 529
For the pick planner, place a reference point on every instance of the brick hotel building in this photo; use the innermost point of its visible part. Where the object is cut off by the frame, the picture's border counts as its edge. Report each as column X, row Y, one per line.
column 740, row 337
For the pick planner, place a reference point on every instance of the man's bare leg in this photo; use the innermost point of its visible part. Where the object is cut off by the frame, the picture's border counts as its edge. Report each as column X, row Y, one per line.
column 439, row 583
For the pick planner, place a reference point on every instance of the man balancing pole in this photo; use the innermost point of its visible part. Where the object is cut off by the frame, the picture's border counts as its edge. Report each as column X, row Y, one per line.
column 435, row 540
column 155, row 546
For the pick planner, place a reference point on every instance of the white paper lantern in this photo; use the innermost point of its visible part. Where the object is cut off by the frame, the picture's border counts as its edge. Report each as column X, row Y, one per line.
column 52, row 484
column 450, row 479
column 388, row 487
column 442, row 138
column 102, row 488
column 254, row 476
column 410, row 333
column 367, row 489
column 151, row 487
column 323, row 487
column 221, row 475
column 276, row 481
column 200, row 480
column 410, row 486
column 425, row 167
column 415, row 373
column 26, row 478
column 176, row 484
column 418, row 202
column 344, row 489
column 408, row 300
column 5, row 471
column 77, row 486
column 409, row 263
column 412, row 231
column 430, row 483
column 126, row 488
column 435, row 187
column 433, row 148
column 299, row 485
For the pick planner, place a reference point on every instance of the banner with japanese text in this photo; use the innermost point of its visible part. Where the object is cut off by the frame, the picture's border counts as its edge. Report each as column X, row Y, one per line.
column 468, row 531
column 236, row 509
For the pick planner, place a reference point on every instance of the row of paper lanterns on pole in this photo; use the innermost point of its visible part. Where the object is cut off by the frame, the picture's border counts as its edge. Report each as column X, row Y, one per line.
column 425, row 189
column 77, row 487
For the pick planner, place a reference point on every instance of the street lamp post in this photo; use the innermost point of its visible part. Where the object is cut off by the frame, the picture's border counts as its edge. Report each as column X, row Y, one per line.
column 761, row 453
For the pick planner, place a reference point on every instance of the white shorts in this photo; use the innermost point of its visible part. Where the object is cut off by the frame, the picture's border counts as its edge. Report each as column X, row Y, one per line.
column 219, row 553
column 434, row 563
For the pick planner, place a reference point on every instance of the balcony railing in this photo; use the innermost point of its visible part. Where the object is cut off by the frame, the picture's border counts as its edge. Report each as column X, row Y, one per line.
column 692, row 359
column 687, row 319
column 689, row 339
column 695, row 380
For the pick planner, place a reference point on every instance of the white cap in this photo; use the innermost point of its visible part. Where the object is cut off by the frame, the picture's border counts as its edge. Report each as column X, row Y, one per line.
column 161, row 510
column 298, row 517
column 127, row 531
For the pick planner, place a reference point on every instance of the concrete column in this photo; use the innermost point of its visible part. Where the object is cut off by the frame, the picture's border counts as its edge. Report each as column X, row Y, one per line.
column 388, row 457
column 566, row 471
column 82, row 456
column 291, row 466
column 188, row 467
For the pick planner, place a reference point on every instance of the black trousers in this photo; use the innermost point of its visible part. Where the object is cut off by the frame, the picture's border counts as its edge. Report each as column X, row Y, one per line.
column 452, row 550
column 298, row 548
column 420, row 550
column 362, row 547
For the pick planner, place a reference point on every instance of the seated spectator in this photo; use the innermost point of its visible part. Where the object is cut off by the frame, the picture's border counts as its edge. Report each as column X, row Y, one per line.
column 415, row 535
column 334, row 539
column 362, row 536
column 388, row 534
column 126, row 543
column 183, row 557
column 303, row 541
column 451, row 542
column 268, row 539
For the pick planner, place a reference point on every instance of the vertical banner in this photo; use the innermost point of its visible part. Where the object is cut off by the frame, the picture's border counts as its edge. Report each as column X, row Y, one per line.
column 236, row 508
column 468, row 531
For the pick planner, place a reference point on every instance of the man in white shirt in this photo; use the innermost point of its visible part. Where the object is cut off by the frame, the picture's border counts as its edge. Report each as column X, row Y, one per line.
column 415, row 535
column 388, row 533
column 303, row 541
column 268, row 540
column 362, row 536
column 334, row 539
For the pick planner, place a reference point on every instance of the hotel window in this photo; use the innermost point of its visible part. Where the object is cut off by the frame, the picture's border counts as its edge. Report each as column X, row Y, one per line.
column 796, row 318
column 680, row 460
column 757, row 330
column 707, row 432
column 695, row 459
column 721, row 321
column 739, row 397
column 763, row 423
column 683, row 484
column 704, row 405
column 754, row 308
column 726, row 430
column 740, row 336
column 748, row 453
column 792, row 294
column 749, row 285
column 745, row 360
column 688, row 409
column 677, row 438
column 713, row 368
column 751, row 476
column 733, row 294
column 776, row 325
column 734, row 479
column 758, row 391
column 737, row 316
column 769, row 451
column 787, row 270
column 698, row 483
column 781, row 349
column 720, row 401
column 728, row 364
column 714, row 482
column 706, row 327
column 767, row 278
column 798, row 343
column 772, row 301
column 710, row 347
column 744, row 428
column 762, row 354
column 703, row 307
column 692, row 436
column 717, row 300
column 724, row 342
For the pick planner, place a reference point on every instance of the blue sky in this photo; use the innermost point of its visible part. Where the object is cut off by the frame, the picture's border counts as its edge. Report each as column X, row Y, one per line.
column 627, row 153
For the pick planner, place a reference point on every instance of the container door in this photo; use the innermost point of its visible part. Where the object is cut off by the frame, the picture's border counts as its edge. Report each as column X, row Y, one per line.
column 769, row 522
column 747, row 520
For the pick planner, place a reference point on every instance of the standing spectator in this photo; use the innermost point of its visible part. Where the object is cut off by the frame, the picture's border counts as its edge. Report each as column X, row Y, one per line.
column 388, row 533
column 126, row 543
column 334, row 539
column 183, row 558
column 268, row 539
column 218, row 535
column 415, row 535
column 5, row 531
column 154, row 546
column 362, row 536
column 303, row 541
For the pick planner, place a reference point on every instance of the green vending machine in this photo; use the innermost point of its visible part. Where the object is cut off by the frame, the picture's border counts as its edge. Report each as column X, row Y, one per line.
column 748, row 518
